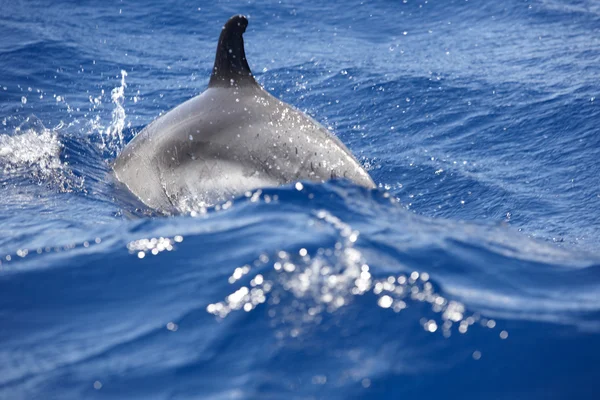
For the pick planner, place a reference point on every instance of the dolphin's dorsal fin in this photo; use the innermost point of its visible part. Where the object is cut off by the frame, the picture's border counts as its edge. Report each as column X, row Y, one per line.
column 231, row 67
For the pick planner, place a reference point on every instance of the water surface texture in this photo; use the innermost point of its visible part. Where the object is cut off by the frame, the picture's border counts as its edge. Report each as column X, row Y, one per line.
column 472, row 272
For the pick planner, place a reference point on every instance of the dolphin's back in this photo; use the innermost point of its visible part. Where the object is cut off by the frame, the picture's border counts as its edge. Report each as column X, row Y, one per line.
column 223, row 143
column 232, row 138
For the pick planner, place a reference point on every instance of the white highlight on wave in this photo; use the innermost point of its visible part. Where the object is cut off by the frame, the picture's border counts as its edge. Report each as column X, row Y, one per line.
column 329, row 279
column 153, row 246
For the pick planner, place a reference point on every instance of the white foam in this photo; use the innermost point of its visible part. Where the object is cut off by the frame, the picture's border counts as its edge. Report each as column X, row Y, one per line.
column 33, row 152
column 31, row 148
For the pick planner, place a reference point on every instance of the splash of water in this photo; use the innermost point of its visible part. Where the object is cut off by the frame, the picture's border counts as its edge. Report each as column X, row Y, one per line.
column 34, row 151
column 30, row 147
column 112, row 138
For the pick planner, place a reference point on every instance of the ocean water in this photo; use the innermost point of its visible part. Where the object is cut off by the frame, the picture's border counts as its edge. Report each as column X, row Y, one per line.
column 472, row 272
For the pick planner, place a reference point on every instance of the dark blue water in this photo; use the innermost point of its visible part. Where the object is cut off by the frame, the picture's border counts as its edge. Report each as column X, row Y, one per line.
column 472, row 272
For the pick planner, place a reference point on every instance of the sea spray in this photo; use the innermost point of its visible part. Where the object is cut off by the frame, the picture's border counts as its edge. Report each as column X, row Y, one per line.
column 34, row 151
column 111, row 137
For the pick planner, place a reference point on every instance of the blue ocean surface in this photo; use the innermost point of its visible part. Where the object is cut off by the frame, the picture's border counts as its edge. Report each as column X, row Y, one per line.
column 472, row 272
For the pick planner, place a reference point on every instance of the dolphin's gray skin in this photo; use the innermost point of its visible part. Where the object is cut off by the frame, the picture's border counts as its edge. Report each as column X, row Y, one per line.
column 232, row 138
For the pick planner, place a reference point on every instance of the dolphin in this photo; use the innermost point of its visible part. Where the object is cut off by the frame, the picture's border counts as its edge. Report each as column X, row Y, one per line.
column 232, row 138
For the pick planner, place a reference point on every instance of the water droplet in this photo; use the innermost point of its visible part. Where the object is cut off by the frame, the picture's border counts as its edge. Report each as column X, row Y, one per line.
column 172, row 326
column 385, row 301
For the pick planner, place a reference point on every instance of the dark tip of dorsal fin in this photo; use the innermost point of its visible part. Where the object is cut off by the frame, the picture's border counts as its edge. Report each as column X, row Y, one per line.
column 231, row 67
